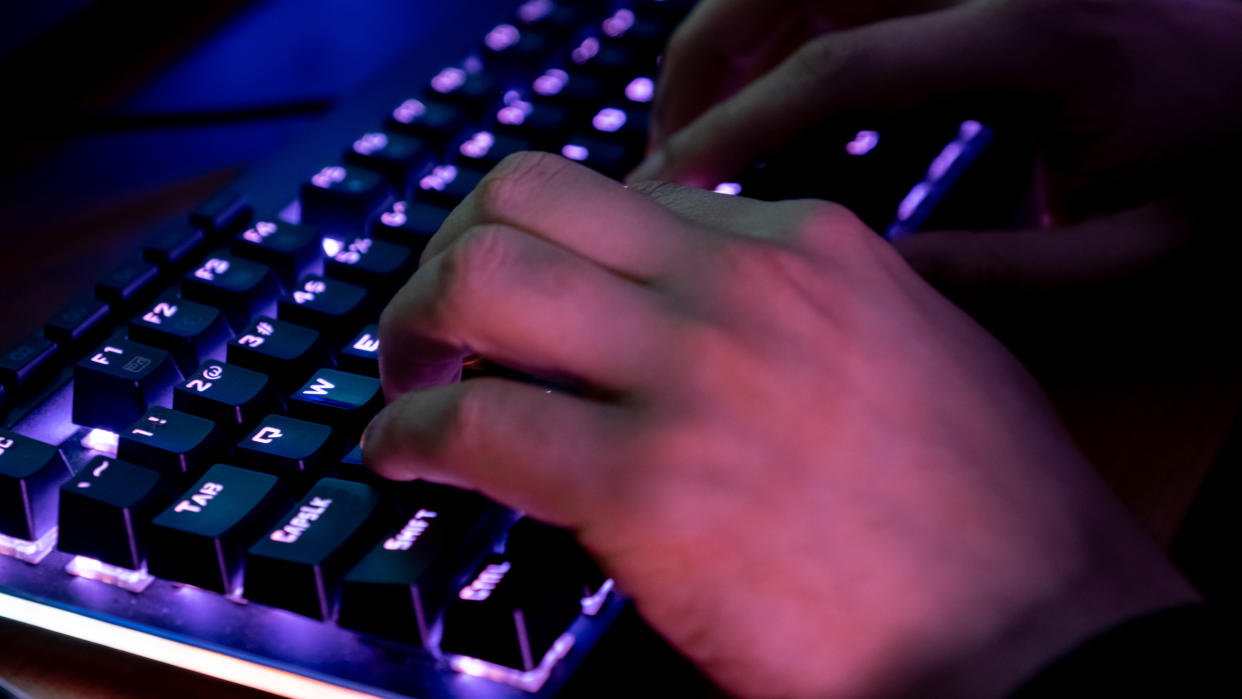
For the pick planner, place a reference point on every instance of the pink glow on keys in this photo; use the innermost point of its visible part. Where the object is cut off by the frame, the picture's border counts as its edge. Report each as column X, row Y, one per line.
column 863, row 143
column 731, row 188
column 501, row 37
column 534, row 10
column 370, row 143
column 619, row 23
column 586, row 50
column 640, row 90
column 328, row 176
column 439, row 178
column 944, row 161
column 969, row 129
column 408, row 111
column 530, row 680
column 511, row 116
column 448, row 80
column 551, row 82
column 396, row 217
column 261, row 230
column 102, row 441
column 478, row 145
column 331, row 246
column 912, row 201
column 609, row 120
column 575, row 152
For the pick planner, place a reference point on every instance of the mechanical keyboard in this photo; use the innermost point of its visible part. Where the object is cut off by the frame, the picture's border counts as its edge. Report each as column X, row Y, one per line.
column 179, row 469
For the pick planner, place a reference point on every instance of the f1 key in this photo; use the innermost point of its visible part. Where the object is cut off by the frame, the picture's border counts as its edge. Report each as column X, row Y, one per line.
column 113, row 386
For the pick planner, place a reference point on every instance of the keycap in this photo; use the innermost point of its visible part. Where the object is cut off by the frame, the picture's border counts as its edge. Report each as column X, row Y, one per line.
column 298, row 565
column 240, row 288
column 436, row 123
column 81, row 322
column 224, row 212
column 621, row 123
column 174, row 443
column 288, row 250
column 544, row 126
column 174, row 246
column 232, row 397
column 187, row 330
column 113, row 386
column 128, row 284
column 574, row 91
column 345, row 401
column 30, row 474
column 482, row 150
column 410, row 224
column 610, row 63
column 555, row 19
column 286, row 352
column 397, row 589
column 473, row 92
column 333, row 307
column 25, row 364
column 610, row 158
column 343, row 200
column 201, row 539
column 447, row 185
column 286, row 446
column 555, row 550
column 361, row 355
column 104, row 509
column 510, row 50
column 377, row 265
column 510, row 613
column 398, row 158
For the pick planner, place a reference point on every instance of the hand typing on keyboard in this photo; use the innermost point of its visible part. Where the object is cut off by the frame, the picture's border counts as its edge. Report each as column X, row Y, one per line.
column 814, row 475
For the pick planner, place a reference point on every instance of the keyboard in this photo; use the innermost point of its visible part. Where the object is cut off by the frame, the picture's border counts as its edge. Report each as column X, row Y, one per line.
column 180, row 475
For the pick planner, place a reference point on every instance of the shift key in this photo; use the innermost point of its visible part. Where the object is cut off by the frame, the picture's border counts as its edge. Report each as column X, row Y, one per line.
column 298, row 565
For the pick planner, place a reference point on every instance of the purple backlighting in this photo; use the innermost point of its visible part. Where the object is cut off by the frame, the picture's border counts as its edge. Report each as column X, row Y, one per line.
column 575, row 152
column 640, row 90
column 609, row 119
column 969, row 129
column 940, row 166
column 439, row 178
column 511, row 116
column 448, row 80
column 396, row 217
column 586, row 50
column 408, row 111
column 619, row 23
column 501, row 37
column 551, row 82
column 534, row 10
column 478, row 145
column 912, row 201
column 863, row 143
column 370, row 143
column 731, row 188
column 328, row 176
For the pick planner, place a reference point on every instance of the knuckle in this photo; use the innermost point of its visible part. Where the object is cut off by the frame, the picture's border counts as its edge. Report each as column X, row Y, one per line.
column 463, row 417
column 469, row 269
column 508, row 188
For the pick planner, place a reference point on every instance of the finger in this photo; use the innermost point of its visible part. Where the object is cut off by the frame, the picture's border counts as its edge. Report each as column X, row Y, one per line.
column 874, row 71
column 520, row 301
column 574, row 207
column 537, row 451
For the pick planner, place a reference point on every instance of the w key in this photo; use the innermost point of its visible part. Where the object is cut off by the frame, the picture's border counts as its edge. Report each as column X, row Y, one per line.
column 345, row 401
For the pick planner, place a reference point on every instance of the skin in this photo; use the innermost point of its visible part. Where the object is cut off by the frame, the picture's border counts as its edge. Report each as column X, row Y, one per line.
column 814, row 475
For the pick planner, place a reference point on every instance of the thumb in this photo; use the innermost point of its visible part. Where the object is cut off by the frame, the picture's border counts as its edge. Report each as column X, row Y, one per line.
column 873, row 71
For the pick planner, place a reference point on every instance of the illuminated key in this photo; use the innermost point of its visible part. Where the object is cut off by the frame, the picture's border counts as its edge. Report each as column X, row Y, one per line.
column 473, row 92
column 286, row 352
column 572, row 90
column 603, row 155
column 299, row 563
column 377, row 265
column 345, row 401
column 410, row 224
column 434, row 122
column 287, row 249
column 172, row 442
column 397, row 589
column 237, row 286
column 361, row 355
column 187, row 330
column 232, row 397
column 482, row 150
column 513, row 50
column 113, row 385
column 103, row 510
column 24, row 365
column 343, row 200
column 333, row 307
column 286, row 446
column 447, row 185
column 398, row 158
column 30, row 473
column 543, row 125
column 201, row 539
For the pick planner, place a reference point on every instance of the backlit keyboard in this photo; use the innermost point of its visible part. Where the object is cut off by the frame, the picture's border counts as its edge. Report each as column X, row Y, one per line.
column 179, row 470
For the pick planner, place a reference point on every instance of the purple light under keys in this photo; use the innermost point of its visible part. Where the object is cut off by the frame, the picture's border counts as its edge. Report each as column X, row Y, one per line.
column 731, row 188
column 585, row 51
column 501, row 37
column 448, row 80
column 863, row 143
column 534, row 10
column 409, row 110
column 640, row 90
column 478, row 145
column 514, row 114
column 328, row 176
column 575, row 152
column 608, row 119
column 370, row 143
column 439, row 178
column 619, row 23
column 551, row 82
column 396, row 217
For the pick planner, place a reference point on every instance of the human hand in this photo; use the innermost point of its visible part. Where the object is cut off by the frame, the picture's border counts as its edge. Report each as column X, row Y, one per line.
column 813, row 475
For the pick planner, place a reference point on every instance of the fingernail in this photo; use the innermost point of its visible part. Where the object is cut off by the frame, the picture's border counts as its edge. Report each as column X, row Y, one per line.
column 649, row 169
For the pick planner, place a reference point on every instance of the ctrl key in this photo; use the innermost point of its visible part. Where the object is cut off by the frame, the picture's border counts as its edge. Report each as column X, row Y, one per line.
column 30, row 473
